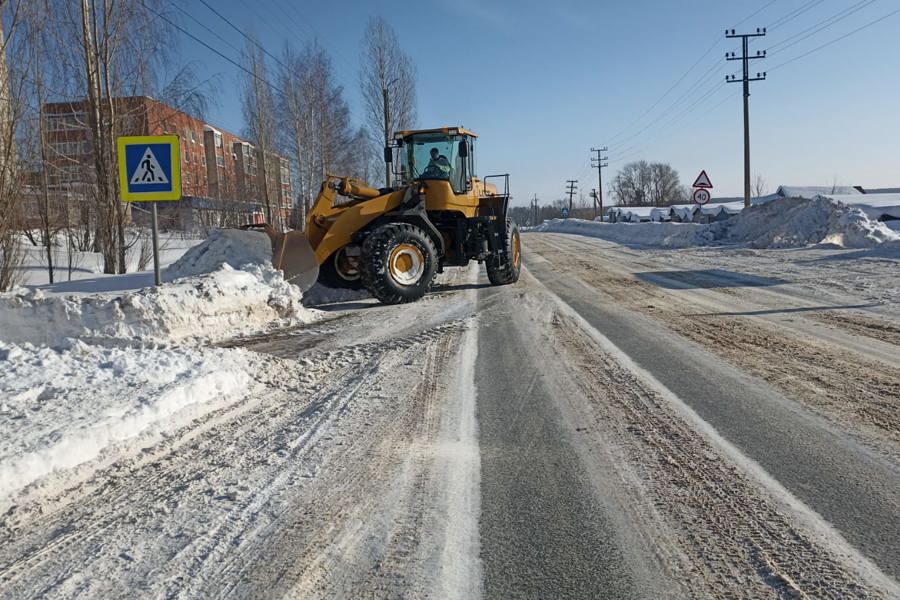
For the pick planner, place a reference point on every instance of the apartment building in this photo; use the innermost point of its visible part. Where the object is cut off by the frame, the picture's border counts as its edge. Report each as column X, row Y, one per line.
column 225, row 179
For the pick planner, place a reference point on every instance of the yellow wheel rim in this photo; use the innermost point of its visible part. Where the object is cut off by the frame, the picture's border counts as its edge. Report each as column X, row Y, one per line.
column 406, row 264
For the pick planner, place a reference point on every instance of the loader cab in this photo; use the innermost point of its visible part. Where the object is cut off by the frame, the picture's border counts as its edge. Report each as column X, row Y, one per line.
column 445, row 154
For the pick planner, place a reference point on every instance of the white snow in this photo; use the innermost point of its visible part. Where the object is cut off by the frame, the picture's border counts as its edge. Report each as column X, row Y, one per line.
column 82, row 369
column 218, row 289
column 66, row 406
column 89, row 265
column 234, row 247
column 874, row 205
column 795, row 222
column 811, row 191
column 782, row 223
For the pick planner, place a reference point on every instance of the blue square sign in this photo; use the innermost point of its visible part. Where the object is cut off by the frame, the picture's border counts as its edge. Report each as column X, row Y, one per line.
column 149, row 168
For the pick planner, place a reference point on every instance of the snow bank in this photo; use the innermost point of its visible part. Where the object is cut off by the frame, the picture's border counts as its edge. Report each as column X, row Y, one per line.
column 666, row 235
column 796, row 222
column 783, row 223
column 63, row 407
column 219, row 289
column 233, row 247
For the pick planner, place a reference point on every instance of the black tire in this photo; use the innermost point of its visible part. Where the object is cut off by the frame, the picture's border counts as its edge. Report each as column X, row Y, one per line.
column 398, row 263
column 504, row 268
column 336, row 273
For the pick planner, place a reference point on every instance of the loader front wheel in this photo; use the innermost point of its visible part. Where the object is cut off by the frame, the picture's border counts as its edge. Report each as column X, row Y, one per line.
column 341, row 269
column 398, row 263
column 504, row 268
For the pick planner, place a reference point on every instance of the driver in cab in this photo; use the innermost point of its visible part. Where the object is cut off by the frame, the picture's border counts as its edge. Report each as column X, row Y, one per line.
column 438, row 166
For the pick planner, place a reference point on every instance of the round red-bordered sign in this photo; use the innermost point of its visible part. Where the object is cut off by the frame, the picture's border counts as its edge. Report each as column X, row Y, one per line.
column 701, row 196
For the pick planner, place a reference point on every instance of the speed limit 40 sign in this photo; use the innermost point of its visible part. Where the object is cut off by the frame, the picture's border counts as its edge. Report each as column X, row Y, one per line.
column 702, row 186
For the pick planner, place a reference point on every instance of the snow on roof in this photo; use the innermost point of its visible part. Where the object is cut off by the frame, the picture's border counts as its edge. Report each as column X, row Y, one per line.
column 882, row 191
column 732, row 208
column 810, row 192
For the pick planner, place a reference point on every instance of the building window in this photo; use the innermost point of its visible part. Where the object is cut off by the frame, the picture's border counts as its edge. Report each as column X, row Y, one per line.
column 220, row 160
column 218, row 137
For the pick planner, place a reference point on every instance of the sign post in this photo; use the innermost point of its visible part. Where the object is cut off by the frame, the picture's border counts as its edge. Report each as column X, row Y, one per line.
column 701, row 186
column 150, row 171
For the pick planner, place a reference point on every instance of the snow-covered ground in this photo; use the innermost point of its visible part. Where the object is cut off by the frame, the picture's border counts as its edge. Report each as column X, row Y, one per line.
column 89, row 265
column 65, row 406
column 218, row 289
column 783, row 223
column 94, row 363
column 341, row 456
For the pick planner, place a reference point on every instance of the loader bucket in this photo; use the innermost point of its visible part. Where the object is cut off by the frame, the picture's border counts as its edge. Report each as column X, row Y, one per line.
column 293, row 255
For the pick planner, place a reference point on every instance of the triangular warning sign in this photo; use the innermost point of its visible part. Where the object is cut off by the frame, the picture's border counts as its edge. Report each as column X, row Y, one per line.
column 702, row 181
column 148, row 170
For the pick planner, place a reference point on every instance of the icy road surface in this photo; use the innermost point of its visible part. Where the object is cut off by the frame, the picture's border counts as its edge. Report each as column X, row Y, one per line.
column 621, row 423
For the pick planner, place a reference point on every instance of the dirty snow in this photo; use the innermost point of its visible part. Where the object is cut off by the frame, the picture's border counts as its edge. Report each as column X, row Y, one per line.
column 784, row 223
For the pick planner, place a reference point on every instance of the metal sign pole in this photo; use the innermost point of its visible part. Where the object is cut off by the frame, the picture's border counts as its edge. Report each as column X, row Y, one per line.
column 155, row 228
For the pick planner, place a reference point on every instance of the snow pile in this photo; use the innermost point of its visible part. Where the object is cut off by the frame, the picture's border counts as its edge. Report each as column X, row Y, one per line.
column 213, row 305
column 796, row 222
column 784, row 223
column 60, row 408
column 234, row 247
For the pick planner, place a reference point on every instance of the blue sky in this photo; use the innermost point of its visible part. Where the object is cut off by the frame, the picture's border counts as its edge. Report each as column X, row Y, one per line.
column 543, row 82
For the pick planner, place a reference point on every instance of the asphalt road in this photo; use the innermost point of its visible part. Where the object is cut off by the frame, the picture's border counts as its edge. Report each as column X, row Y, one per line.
column 853, row 488
column 544, row 534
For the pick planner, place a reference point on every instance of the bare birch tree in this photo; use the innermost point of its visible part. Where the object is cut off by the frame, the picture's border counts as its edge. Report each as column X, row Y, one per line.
column 259, row 115
column 317, row 130
column 11, row 115
column 388, row 82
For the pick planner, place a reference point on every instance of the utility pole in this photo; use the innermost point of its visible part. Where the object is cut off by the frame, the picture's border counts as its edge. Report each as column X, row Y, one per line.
column 599, row 162
column 534, row 211
column 745, row 58
column 571, row 191
column 594, row 196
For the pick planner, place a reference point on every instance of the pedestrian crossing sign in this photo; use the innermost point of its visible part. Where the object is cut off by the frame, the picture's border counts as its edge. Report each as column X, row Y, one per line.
column 149, row 168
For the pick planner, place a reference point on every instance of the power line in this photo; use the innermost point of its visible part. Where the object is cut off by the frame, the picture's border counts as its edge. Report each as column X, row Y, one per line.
column 246, row 37
column 837, row 39
column 790, row 16
column 668, row 91
column 700, row 81
column 820, row 26
column 750, row 16
column 211, row 49
column 207, row 28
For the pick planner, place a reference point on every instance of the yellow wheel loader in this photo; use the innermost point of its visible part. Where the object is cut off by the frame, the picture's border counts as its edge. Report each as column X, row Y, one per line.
column 391, row 241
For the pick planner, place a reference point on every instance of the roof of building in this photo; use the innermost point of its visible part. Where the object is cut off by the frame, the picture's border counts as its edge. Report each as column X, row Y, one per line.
column 810, row 192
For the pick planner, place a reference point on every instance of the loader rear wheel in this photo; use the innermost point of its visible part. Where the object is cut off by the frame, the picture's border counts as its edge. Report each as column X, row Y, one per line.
column 398, row 263
column 505, row 268
column 341, row 270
